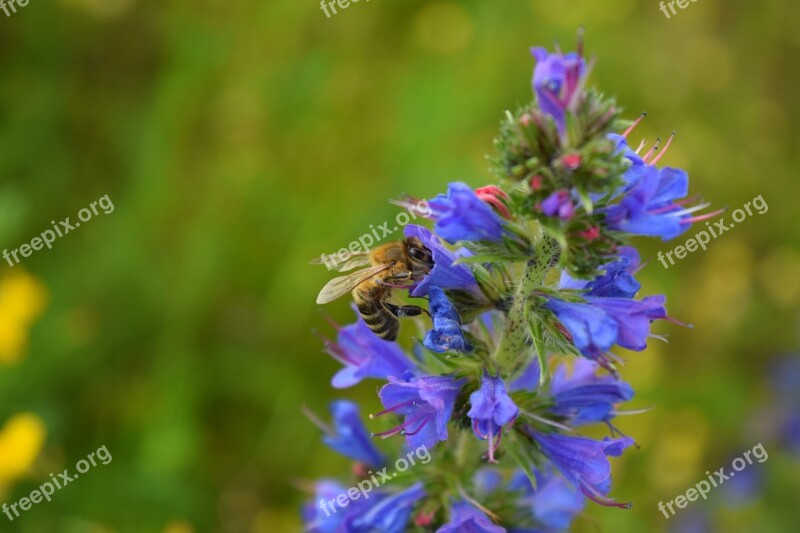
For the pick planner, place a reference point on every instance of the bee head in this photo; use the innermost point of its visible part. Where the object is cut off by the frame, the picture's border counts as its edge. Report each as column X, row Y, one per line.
column 420, row 256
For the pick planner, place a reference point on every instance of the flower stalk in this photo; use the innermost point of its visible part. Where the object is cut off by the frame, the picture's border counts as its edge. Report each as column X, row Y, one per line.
column 516, row 344
column 529, row 286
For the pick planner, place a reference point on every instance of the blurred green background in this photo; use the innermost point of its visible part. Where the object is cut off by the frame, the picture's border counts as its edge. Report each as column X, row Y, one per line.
column 237, row 140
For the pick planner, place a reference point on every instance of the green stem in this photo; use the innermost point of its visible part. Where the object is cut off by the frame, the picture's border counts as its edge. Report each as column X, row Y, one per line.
column 514, row 351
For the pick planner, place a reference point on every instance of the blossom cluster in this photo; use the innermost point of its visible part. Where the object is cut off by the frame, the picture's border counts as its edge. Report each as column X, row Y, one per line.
column 533, row 287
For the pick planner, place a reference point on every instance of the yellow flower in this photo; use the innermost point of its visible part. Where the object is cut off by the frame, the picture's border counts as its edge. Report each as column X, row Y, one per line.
column 22, row 300
column 21, row 440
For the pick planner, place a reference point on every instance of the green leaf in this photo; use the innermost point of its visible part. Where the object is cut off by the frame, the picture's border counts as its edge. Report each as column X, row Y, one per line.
column 539, row 344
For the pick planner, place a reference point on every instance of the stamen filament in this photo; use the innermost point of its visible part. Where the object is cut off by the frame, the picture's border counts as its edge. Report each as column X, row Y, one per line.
column 702, row 217
column 664, row 151
column 632, row 126
column 393, row 408
column 653, row 150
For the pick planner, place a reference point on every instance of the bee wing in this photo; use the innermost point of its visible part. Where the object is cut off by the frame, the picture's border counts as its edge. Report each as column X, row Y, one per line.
column 343, row 284
column 359, row 259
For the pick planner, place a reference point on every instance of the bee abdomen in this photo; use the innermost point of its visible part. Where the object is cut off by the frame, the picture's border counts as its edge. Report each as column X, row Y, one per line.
column 383, row 323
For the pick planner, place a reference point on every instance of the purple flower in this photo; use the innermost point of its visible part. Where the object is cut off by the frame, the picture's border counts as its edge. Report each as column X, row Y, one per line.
column 559, row 204
column 464, row 518
column 446, row 334
column 650, row 208
column 462, row 216
column 556, row 80
column 425, row 402
column 593, row 332
column 617, row 281
column 584, row 396
column 491, row 409
column 598, row 324
column 632, row 255
column 323, row 515
column 349, row 436
column 391, row 514
column 444, row 274
column 633, row 317
column 553, row 503
column 365, row 355
column 583, row 462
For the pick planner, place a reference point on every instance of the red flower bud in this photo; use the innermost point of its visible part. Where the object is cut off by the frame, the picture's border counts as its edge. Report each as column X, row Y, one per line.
column 491, row 194
column 571, row 161
column 590, row 234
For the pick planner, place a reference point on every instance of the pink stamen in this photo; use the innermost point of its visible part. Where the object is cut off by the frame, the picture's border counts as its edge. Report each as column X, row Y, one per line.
column 653, row 150
column 317, row 421
column 604, row 362
column 632, row 126
column 398, row 429
column 330, row 321
column 632, row 412
column 591, row 493
column 475, row 429
column 409, row 203
column 674, row 205
column 690, row 210
column 394, row 408
column 701, row 218
column 678, row 322
column 491, row 444
column 422, row 425
column 664, row 151
column 336, row 351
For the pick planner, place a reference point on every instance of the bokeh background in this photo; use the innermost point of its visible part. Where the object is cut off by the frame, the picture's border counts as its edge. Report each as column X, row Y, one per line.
column 237, row 140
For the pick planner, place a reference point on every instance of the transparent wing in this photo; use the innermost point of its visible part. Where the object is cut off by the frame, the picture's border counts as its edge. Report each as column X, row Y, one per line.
column 359, row 259
column 340, row 286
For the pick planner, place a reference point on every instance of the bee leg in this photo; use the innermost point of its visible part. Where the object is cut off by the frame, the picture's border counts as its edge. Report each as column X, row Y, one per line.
column 405, row 310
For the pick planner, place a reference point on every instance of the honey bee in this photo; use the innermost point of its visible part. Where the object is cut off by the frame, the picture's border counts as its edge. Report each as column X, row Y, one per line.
column 395, row 264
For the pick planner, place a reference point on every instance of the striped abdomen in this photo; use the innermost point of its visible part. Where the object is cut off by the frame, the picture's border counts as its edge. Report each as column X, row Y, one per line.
column 369, row 301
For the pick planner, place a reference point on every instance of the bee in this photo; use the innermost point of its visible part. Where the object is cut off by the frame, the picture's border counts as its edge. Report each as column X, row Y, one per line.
column 395, row 264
